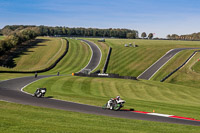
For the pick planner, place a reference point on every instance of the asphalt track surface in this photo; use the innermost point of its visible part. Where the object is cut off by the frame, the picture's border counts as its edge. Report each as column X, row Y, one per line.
column 96, row 56
column 10, row 90
column 149, row 72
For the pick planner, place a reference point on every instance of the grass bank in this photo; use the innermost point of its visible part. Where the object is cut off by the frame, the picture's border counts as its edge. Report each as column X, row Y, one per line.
column 23, row 118
column 174, row 63
column 76, row 59
column 131, row 61
column 188, row 75
column 40, row 54
column 141, row 95
column 2, row 37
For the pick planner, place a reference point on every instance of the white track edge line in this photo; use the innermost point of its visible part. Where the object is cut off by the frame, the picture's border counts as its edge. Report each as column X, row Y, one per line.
column 90, row 57
column 22, row 90
column 162, row 66
column 155, row 62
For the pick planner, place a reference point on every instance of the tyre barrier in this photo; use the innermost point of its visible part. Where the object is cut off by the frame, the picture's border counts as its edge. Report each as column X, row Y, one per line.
column 107, row 60
column 45, row 69
column 110, row 75
column 178, row 67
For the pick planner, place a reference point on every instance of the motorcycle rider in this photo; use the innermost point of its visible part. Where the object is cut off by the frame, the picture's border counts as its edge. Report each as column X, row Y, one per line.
column 111, row 101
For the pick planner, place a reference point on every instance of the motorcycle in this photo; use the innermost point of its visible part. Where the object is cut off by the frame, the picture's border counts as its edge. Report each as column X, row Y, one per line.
column 114, row 104
column 40, row 92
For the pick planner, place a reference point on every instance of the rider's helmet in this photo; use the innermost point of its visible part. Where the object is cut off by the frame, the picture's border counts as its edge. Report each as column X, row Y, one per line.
column 118, row 97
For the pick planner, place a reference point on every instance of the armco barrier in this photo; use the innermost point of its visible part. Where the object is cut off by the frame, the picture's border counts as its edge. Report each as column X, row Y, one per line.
column 178, row 67
column 45, row 69
column 110, row 75
column 107, row 60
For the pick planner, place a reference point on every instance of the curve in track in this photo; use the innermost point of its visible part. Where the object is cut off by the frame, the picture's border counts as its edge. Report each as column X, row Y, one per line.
column 96, row 56
column 10, row 90
column 149, row 72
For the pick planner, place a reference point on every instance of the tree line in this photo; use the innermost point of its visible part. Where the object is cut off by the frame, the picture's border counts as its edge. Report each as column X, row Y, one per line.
column 18, row 37
column 193, row 36
column 144, row 35
column 18, row 34
column 66, row 31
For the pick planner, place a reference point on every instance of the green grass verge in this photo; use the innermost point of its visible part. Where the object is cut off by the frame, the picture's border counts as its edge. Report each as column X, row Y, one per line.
column 130, row 61
column 188, row 75
column 42, row 53
column 76, row 59
column 174, row 63
column 23, row 118
column 2, row 37
column 141, row 95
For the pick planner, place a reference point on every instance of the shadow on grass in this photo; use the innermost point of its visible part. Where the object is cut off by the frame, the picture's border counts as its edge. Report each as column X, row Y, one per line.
column 7, row 60
column 49, row 97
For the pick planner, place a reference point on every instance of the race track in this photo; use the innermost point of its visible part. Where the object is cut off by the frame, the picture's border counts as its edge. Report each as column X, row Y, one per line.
column 149, row 72
column 96, row 56
column 10, row 90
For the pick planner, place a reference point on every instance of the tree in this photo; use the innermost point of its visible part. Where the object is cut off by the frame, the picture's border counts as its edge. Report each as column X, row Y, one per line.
column 168, row 36
column 143, row 35
column 131, row 35
column 150, row 36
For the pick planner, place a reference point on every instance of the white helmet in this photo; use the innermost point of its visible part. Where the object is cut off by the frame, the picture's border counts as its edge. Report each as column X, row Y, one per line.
column 118, row 97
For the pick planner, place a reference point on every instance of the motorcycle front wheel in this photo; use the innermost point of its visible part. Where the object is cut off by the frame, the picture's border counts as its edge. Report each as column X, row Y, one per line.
column 117, row 107
column 39, row 95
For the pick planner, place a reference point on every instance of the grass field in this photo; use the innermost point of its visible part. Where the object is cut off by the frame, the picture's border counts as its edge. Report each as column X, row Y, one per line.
column 141, row 95
column 166, row 98
column 188, row 75
column 174, row 63
column 133, row 61
column 42, row 53
column 2, row 37
column 23, row 118
column 76, row 59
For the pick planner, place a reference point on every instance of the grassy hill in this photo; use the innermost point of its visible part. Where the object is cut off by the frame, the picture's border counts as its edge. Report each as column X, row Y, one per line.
column 174, row 63
column 181, row 99
column 141, row 95
column 76, row 59
column 39, row 55
column 23, row 118
column 133, row 61
column 188, row 75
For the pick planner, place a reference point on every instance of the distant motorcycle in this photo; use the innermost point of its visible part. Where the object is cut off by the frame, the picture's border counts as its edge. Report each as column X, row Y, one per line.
column 114, row 104
column 40, row 92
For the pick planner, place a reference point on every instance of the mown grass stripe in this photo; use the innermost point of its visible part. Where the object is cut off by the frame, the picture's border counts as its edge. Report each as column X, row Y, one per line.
column 140, row 95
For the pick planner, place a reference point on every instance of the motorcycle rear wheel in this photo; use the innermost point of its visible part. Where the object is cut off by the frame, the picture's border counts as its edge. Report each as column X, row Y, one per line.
column 117, row 107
